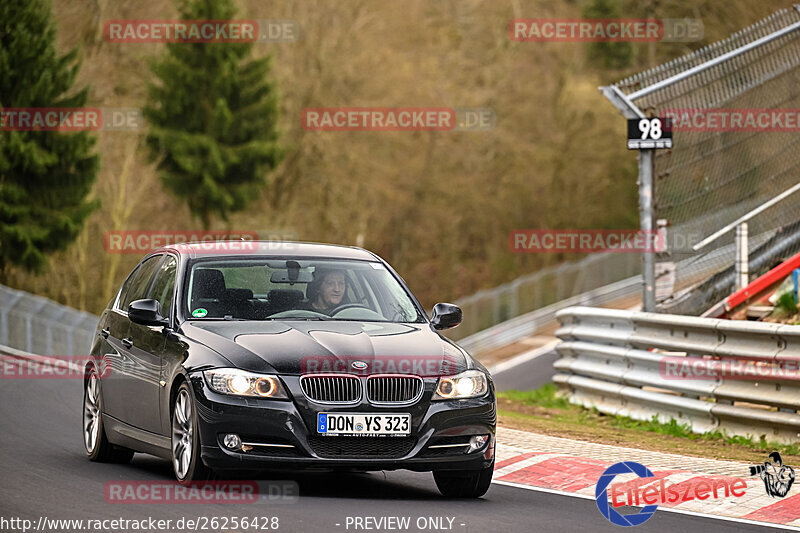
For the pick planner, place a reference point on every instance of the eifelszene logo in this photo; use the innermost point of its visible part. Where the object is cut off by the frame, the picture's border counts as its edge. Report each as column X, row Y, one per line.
column 777, row 477
column 650, row 493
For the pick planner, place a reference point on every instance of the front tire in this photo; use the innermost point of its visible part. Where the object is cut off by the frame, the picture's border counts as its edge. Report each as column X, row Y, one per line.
column 186, row 461
column 464, row 483
column 94, row 436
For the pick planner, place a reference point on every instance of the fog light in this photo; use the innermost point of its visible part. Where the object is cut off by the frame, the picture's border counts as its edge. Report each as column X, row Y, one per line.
column 477, row 442
column 232, row 441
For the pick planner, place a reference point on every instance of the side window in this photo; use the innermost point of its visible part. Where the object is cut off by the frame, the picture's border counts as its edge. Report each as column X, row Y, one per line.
column 355, row 291
column 395, row 305
column 141, row 281
column 164, row 285
column 123, row 292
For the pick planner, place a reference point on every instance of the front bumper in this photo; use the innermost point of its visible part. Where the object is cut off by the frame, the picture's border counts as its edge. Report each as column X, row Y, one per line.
column 292, row 425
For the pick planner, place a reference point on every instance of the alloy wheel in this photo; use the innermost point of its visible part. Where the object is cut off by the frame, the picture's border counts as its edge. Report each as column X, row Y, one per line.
column 91, row 412
column 182, row 433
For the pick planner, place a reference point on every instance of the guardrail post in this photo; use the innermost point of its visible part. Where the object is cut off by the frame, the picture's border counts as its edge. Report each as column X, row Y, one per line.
column 742, row 259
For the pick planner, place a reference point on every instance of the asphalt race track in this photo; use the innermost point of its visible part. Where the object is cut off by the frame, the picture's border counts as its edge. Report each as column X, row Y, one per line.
column 45, row 473
column 527, row 375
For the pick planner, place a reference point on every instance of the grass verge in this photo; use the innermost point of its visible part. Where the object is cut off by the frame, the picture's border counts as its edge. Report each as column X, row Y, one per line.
column 544, row 411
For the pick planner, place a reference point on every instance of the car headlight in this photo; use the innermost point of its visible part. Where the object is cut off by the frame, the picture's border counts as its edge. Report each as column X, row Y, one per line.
column 469, row 384
column 242, row 383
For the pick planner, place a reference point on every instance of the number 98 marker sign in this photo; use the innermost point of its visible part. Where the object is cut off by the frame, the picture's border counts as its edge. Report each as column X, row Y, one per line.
column 648, row 133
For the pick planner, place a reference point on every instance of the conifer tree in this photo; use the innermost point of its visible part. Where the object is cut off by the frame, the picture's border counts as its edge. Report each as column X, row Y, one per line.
column 614, row 55
column 212, row 119
column 45, row 176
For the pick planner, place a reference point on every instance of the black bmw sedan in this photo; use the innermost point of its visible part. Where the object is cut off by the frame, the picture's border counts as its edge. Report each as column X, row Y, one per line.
column 252, row 356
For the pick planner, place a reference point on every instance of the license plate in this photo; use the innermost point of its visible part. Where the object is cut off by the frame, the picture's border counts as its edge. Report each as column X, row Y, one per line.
column 364, row 424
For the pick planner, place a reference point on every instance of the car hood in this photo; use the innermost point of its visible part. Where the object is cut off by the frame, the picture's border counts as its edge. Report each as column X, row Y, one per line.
column 304, row 347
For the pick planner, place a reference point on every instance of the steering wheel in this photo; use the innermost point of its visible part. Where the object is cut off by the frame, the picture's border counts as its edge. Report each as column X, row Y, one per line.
column 342, row 307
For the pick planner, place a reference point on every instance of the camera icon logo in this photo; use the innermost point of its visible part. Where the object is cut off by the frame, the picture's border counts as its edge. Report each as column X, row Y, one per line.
column 777, row 477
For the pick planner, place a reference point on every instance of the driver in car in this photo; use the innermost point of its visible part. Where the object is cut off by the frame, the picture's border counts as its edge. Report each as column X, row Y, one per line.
column 326, row 292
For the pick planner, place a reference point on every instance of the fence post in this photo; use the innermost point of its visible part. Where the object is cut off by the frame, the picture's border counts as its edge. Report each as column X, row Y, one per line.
column 560, row 282
column 646, row 221
column 514, row 301
column 4, row 315
column 742, row 259
column 49, row 332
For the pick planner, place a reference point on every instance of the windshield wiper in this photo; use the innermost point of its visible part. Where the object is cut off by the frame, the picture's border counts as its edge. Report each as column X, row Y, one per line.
column 300, row 318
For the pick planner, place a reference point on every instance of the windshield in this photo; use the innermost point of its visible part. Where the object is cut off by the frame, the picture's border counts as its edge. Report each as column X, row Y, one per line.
column 289, row 289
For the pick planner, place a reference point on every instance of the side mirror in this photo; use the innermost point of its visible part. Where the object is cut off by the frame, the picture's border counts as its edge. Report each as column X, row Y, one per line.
column 446, row 316
column 145, row 312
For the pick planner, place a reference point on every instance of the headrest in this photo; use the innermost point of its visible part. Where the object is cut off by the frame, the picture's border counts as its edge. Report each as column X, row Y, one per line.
column 285, row 297
column 238, row 294
column 208, row 283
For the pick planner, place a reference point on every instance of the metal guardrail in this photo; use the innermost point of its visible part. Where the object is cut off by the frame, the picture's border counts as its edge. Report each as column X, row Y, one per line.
column 515, row 329
column 529, row 324
column 611, row 360
column 41, row 326
column 490, row 307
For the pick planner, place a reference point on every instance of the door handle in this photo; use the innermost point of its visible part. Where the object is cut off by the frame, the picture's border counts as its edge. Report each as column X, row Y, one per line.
column 104, row 333
column 127, row 342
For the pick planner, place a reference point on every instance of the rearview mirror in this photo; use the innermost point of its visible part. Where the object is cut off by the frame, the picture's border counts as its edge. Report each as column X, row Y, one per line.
column 145, row 312
column 282, row 276
column 446, row 316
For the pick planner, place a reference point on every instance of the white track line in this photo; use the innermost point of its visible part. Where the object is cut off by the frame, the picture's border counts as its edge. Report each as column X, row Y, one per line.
column 523, row 358
column 42, row 359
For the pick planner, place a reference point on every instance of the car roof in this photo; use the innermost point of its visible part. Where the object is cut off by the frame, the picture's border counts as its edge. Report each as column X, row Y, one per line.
column 232, row 248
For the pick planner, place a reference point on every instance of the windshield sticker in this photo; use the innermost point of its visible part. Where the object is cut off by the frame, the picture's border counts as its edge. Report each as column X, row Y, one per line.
column 199, row 312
